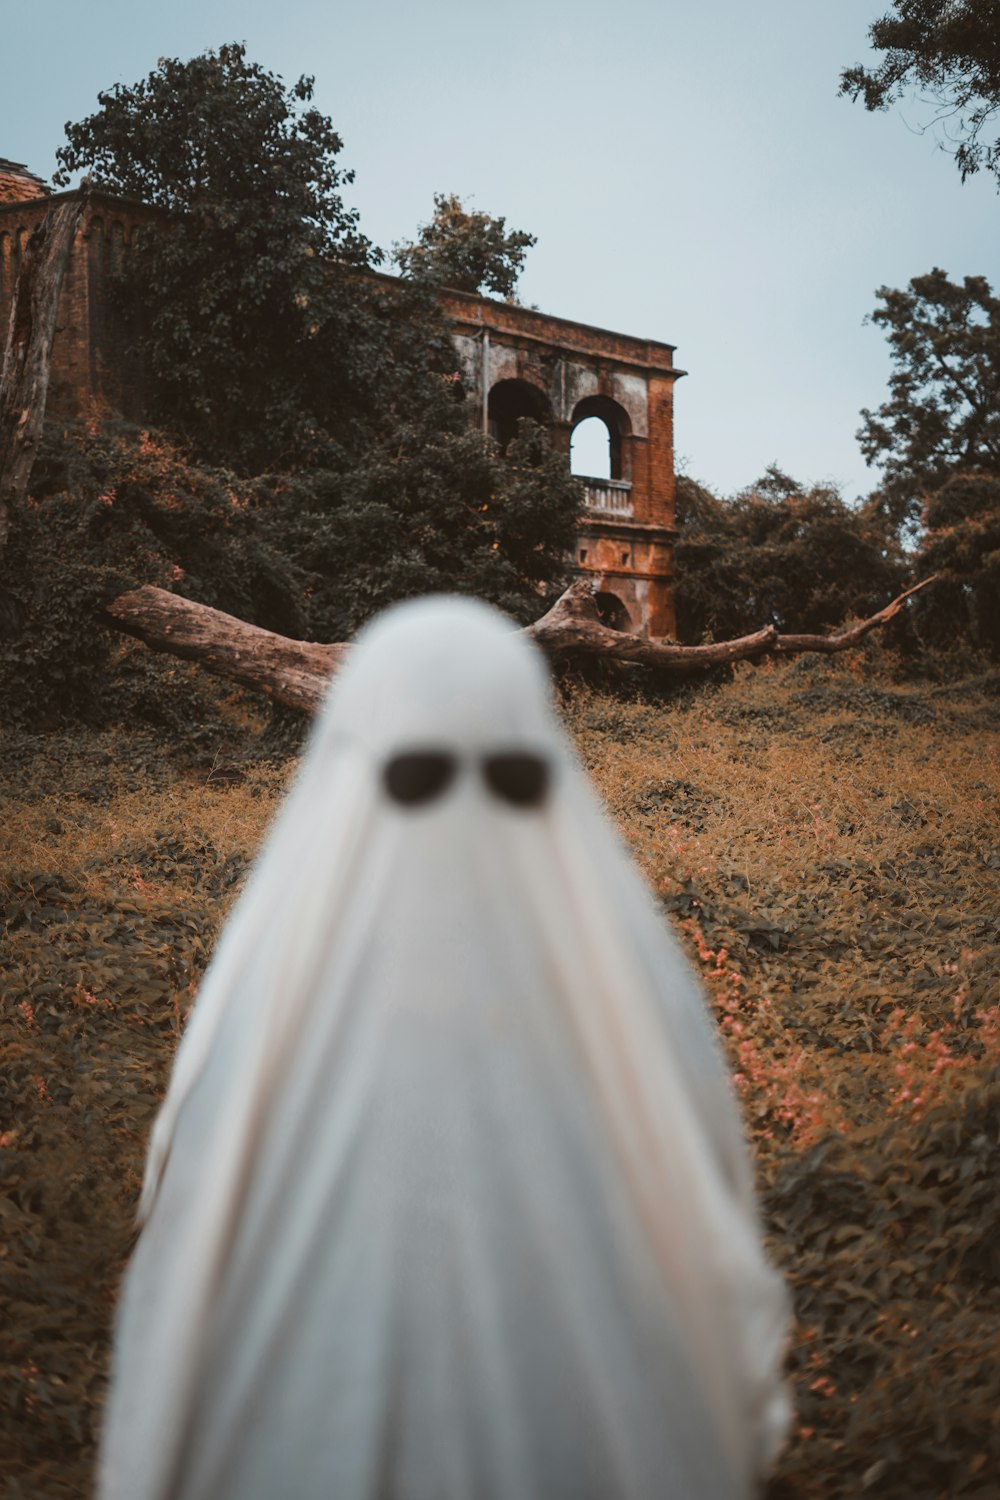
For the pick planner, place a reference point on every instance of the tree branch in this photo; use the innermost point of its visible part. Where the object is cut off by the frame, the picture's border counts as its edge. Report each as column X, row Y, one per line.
column 295, row 673
column 573, row 627
column 829, row 644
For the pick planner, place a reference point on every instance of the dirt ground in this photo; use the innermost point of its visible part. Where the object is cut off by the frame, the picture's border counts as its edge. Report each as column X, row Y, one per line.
column 824, row 840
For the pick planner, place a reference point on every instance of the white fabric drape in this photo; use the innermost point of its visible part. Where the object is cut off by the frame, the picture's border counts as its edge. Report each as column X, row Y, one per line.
column 448, row 1199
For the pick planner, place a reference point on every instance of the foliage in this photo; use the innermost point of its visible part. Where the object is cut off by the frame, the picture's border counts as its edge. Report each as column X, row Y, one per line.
column 442, row 512
column 780, row 554
column 938, row 439
column 952, row 48
column 110, row 509
column 264, row 346
column 961, row 541
column 434, row 507
column 467, row 250
column 943, row 412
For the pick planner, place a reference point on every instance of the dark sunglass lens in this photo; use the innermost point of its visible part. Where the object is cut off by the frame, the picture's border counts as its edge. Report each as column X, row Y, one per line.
column 517, row 778
column 419, row 777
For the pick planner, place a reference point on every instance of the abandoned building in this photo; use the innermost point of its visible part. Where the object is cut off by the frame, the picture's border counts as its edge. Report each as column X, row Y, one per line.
column 514, row 362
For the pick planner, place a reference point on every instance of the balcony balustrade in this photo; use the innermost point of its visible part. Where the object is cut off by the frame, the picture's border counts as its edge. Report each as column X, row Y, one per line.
column 608, row 497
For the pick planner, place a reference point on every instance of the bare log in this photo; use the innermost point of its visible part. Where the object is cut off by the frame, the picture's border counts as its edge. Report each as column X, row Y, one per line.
column 24, row 382
column 295, row 673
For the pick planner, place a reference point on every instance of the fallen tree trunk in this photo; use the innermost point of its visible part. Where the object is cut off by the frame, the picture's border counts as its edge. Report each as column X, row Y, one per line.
column 573, row 627
column 24, row 382
column 295, row 673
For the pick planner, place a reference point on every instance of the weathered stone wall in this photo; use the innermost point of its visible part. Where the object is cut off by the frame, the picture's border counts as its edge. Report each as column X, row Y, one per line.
column 561, row 372
column 93, row 359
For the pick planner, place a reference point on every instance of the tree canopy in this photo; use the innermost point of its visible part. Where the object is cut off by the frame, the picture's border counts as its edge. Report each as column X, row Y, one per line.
column 943, row 411
column 314, row 458
column 778, row 553
column 950, row 48
column 263, row 346
column 937, row 438
column 465, row 249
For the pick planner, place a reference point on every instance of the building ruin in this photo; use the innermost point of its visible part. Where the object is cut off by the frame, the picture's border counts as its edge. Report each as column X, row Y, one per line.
column 513, row 362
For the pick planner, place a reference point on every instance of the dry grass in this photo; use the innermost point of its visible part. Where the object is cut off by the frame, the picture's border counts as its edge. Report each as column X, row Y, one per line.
column 827, row 848
column 116, row 867
column 838, row 838
column 825, row 843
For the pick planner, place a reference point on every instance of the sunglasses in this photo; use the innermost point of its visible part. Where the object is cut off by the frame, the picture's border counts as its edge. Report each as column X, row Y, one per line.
column 420, row 776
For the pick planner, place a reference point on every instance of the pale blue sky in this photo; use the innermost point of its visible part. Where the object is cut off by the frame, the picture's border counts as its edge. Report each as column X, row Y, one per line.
column 688, row 169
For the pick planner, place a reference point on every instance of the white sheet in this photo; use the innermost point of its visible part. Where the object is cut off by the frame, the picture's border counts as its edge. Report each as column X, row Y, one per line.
column 448, row 1199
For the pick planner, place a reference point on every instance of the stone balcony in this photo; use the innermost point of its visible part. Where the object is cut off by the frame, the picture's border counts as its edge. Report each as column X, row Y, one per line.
column 608, row 497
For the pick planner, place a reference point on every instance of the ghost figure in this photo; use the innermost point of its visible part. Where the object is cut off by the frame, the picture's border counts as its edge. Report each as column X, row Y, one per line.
column 448, row 1199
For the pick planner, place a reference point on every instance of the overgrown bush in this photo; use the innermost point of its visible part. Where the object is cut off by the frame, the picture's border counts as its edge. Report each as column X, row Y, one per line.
column 962, row 543
column 431, row 512
column 111, row 508
column 433, row 507
column 778, row 554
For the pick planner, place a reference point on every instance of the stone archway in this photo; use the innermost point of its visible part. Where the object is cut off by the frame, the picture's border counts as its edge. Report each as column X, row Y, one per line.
column 508, row 402
column 612, row 611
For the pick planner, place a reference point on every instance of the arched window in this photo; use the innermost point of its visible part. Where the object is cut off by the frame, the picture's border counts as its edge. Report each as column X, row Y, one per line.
column 590, row 449
column 612, row 612
column 509, row 401
column 597, row 449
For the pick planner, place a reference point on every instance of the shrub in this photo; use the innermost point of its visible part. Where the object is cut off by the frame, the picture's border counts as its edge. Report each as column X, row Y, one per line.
column 962, row 542
column 778, row 554
column 111, row 508
column 433, row 507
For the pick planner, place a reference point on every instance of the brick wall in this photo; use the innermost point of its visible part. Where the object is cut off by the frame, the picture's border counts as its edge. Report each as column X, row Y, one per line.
column 93, row 362
column 578, row 369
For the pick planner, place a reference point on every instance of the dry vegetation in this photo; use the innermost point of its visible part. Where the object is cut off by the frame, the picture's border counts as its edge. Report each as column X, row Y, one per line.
column 825, row 842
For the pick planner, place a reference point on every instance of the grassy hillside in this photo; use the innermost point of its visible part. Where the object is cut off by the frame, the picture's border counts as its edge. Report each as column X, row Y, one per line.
column 824, row 842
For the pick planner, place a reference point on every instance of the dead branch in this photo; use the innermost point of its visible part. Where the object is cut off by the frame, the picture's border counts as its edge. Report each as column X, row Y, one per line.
column 24, row 382
column 295, row 673
column 832, row 643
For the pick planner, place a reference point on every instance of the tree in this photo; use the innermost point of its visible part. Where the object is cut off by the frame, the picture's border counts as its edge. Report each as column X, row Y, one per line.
column 952, row 48
column 778, row 554
column 943, row 413
column 274, row 349
column 469, row 251
column 961, row 543
column 433, row 508
column 938, row 440
column 263, row 346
